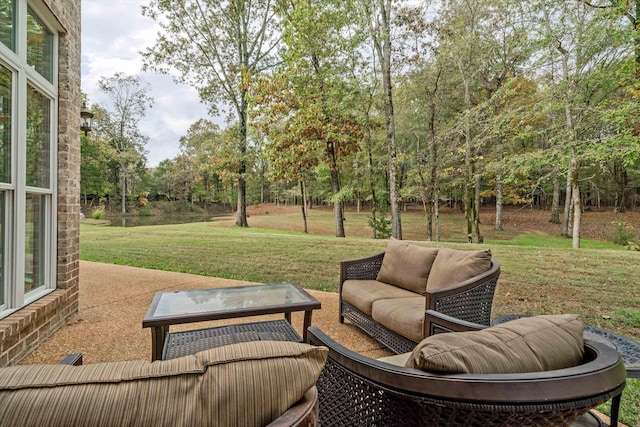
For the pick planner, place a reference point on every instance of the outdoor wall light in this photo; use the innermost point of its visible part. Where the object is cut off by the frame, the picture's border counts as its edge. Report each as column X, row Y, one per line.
column 86, row 118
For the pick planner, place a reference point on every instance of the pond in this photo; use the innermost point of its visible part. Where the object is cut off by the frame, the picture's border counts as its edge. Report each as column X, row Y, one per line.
column 164, row 219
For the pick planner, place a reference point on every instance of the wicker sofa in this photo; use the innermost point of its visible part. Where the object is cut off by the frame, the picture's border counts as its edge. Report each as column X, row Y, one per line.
column 248, row 384
column 386, row 294
column 355, row 390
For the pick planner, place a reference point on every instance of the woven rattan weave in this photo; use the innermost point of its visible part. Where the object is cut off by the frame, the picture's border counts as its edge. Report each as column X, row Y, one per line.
column 358, row 391
column 190, row 342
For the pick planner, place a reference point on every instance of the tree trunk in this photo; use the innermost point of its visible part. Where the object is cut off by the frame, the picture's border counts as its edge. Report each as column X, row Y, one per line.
column 468, row 173
column 372, row 187
column 555, row 204
column 435, row 196
column 499, row 207
column 384, row 52
column 476, row 208
column 567, row 204
column 499, row 189
column 433, row 162
column 425, row 191
column 124, row 188
column 436, row 214
column 335, row 188
column 241, row 216
column 303, row 192
column 577, row 216
column 577, row 206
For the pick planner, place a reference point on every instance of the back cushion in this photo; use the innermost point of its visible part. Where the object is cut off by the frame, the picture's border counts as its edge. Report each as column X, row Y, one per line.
column 530, row 344
column 407, row 266
column 247, row 384
column 453, row 266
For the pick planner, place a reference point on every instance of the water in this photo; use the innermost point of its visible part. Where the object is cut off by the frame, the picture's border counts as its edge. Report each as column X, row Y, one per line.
column 135, row 220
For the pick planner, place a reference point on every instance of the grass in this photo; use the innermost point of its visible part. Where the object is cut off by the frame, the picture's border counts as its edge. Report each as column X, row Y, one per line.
column 540, row 273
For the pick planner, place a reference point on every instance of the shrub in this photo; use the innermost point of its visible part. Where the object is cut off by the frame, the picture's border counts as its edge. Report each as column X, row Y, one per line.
column 145, row 211
column 623, row 234
column 382, row 227
column 97, row 213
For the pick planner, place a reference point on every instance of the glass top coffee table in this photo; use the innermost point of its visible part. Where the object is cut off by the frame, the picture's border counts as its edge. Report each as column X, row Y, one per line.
column 177, row 307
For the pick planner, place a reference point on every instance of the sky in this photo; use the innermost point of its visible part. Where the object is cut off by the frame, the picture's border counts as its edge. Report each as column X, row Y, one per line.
column 113, row 32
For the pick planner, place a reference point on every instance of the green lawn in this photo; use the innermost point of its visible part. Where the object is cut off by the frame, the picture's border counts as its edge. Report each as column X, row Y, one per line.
column 540, row 274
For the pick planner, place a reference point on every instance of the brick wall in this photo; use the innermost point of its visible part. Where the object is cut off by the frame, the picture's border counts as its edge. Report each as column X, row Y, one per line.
column 27, row 328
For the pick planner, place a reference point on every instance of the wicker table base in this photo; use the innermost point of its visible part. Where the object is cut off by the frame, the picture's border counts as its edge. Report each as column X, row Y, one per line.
column 190, row 342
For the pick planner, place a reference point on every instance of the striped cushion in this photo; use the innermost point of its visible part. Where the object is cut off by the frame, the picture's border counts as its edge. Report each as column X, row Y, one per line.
column 247, row 384
column 530, row 344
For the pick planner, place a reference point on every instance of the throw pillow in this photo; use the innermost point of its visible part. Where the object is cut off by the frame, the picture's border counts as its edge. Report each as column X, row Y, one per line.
column 529, row 344
column 407, row 266
column 453, row 266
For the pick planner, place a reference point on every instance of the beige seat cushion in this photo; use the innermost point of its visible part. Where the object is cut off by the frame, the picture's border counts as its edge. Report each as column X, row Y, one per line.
column 396, row 359
column 362, row 293
column 454, row 266
column 248, row 384
column 531, row 344
column 407, row 266
column 402, row 315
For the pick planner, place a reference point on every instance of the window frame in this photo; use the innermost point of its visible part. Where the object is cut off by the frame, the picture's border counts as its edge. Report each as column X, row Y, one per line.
column 15, row 192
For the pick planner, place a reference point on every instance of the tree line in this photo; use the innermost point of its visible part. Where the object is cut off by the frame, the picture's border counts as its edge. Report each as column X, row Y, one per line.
column 378, row 103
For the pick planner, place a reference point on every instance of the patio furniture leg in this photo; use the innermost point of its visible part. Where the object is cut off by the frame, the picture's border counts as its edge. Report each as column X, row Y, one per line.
column 615, row 410
column 158, row 337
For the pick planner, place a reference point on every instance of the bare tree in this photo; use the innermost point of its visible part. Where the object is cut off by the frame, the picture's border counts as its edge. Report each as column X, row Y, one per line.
column 216, row 47
column 119, row 124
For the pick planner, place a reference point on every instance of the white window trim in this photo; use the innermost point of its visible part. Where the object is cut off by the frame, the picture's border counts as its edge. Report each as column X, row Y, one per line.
column 24, row 75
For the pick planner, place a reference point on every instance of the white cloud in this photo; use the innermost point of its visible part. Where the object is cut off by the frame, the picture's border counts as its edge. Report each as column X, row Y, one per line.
column 113, row 32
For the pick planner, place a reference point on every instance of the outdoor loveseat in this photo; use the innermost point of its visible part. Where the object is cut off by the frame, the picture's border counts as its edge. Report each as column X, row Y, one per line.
column 247, row 384
column 417, row 388
column 386, row 294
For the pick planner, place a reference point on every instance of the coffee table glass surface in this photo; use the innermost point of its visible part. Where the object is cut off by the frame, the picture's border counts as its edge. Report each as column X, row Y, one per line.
column 192, row 303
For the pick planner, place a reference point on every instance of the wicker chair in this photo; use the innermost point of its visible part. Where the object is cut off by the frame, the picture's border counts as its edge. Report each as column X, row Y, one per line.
column 358, row 391
column 469, row 301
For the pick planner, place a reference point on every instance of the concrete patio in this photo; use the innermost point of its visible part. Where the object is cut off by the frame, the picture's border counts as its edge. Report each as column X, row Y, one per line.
column 114, row 299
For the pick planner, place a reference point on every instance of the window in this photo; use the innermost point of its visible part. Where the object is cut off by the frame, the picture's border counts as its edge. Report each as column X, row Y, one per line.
column 7, row 24
column 39, row 46
column 5, row 124
column 28, row 146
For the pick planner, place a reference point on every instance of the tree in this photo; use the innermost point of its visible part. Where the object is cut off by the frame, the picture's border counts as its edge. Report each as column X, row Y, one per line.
column 582, row 48
column 216, row 47
column 379, row 14
column 118, row 125
column 201, row 146
column 95, row 156
column 464, row 43
column 94, row 168
column 306, row 107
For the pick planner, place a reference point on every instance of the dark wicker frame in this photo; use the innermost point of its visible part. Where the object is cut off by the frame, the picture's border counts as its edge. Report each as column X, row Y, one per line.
column 304, row 413
column 470, row 301
column 358, row 391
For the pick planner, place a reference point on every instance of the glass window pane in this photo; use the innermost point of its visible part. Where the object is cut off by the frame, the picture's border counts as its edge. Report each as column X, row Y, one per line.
column 38, row 139
column 7, row 23
column 35, row 241
column 5, row 124
column 39, row 46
